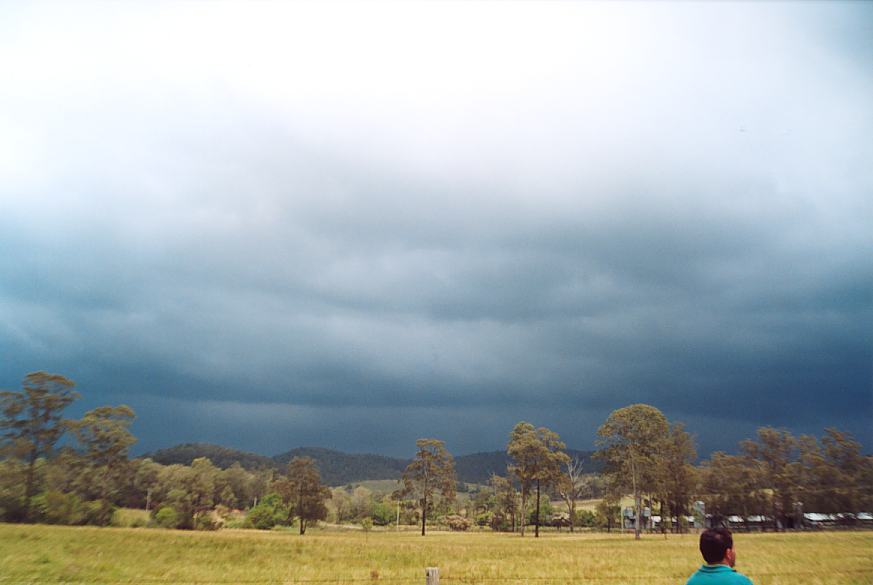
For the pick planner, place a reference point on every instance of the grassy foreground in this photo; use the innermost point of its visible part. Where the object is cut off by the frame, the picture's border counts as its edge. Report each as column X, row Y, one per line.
column 49, row 554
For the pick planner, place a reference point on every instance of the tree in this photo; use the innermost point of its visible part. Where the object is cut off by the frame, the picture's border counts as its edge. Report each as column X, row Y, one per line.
column 608, row 514
column 831, row 473
column 305, row 492
column 571, row 487
column 341, row 503
column 731, row 485
column 104, row 439
column 536, row 461
column 201, row 490
column 431, row 471
column 678, row 477
column 506, row 502
column 631, row 444
column 33, row 421
column 774, row 451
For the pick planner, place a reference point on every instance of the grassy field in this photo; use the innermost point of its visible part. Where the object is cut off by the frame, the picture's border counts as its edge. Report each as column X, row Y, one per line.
column 45, row 554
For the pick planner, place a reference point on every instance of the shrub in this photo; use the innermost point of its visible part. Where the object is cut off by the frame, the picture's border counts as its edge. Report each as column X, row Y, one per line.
column 456, row 523
column 130, row 518
column 484, row 518
column 367, row 524
column 53, row 507
column 205, row 521
column 585, row 518
column 238, row 522
column 263, row 516
column 99, row 512
column 167, row 517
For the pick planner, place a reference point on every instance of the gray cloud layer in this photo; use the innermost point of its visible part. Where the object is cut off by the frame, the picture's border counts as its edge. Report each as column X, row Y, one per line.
column 266, row 225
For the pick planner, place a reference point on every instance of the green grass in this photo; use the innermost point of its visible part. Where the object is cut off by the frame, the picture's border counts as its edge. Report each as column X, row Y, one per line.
column 47, row 554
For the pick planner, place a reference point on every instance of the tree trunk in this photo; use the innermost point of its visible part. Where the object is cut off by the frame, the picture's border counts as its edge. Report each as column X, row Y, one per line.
column 29, row 483
column 523, row 515
column 537, row 514
column 302, row 526
column 572, row 510
column 638, row 512
column 424, row 515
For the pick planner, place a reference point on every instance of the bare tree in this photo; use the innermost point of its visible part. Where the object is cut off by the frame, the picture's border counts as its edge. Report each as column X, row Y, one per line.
column 571, row 487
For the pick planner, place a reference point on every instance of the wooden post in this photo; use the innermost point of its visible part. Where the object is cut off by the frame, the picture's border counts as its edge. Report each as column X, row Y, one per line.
column 432, row 576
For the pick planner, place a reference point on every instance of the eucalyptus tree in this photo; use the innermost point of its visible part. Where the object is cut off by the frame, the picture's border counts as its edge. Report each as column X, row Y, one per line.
column 304, row 491
column 631, row 444
column 104, row 438
column 32, row 421
column 775, row 453
column 536, row 459
column 505, row 501
column 571, row 487
column 431, row 472
column 679, row 477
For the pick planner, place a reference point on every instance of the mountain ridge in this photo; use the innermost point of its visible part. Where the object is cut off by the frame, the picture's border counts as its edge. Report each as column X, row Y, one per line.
column 341, row 468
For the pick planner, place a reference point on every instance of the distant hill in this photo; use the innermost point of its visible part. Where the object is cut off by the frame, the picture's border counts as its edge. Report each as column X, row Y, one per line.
column 479, row 467
column 338, row 468
column 220, row 456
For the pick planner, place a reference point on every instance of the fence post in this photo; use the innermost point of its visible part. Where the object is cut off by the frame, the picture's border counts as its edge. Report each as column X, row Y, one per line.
column 432, row 576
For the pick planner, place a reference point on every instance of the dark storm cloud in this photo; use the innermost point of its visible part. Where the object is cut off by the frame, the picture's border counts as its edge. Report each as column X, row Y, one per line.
column 268, row 256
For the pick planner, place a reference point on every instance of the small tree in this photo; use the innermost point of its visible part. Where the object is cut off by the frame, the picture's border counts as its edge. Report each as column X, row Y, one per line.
column 608, row 514
column 537, row 458
column 304, row 490
column 505, row 501
column 431, row 471
column 32, row 421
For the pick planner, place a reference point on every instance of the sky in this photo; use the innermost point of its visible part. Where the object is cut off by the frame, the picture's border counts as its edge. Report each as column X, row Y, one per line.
column 350, row 225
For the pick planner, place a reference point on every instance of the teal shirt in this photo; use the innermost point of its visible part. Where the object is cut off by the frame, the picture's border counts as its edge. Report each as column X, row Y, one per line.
column 718, row 575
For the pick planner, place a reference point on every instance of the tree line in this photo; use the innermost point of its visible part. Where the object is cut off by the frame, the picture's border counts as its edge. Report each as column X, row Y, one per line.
column 78, row 471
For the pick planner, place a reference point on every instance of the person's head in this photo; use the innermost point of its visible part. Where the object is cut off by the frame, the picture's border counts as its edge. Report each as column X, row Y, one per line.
column 717, row 546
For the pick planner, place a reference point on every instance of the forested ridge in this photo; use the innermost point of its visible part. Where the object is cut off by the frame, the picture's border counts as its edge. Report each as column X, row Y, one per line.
column 339, row 468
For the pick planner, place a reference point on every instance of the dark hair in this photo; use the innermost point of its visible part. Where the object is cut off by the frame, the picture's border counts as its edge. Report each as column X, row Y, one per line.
column 714, row 543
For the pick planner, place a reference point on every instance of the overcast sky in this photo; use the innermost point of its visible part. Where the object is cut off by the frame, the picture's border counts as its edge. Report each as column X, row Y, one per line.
column 269, row 225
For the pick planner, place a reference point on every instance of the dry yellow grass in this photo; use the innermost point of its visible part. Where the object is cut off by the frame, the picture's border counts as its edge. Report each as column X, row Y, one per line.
column 44, row 554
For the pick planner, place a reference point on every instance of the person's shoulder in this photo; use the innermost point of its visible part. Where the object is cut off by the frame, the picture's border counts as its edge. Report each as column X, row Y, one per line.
column 740, row 579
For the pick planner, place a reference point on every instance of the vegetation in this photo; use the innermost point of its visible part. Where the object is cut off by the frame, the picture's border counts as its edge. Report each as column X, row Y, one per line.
column 91, row 479
column 633, row 442
column 340, row 469
column 430, row 473
column 537, row 456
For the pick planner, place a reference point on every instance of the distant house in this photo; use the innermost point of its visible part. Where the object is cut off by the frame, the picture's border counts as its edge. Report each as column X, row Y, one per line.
column 629, row 518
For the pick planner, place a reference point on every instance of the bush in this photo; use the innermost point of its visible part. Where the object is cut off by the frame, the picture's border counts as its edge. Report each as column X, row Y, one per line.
column 130, row 518
column 456, row 523
column 484, row 518
column 53, row 507
column 501, row 522
column 263, row 516
column 167, row 517
column 205, row 521
column 238, row 522
column 383, row 513
column 585, row 518
column 99, row 512
column 367, row 524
